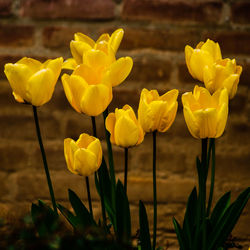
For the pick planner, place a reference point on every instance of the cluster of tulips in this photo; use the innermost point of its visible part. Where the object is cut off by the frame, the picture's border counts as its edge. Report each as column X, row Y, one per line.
column 96, row 70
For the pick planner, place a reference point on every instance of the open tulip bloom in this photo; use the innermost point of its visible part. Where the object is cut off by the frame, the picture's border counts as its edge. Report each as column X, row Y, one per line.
column 33, row 82
column 105, row 43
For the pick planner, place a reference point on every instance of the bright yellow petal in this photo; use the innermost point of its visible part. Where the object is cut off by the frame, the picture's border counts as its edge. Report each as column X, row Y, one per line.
column 77, row 49
column 96, row 99
column 18, row 98
column 96, row 148
column 110, row 126
column 115, row 39
column 221, row 120
column 40, row 87
column 103, row 38
column 170, row 96
column 95, row 59
column 55, row 65
column 119, row 70
column 191, row 122
column 231, row 84
column 84, row 140
column 33, row 64
column 213, row 49
column 68, row 155
column 88, row 74
column 126, row 132
column 69, row 64
column 83, row 38
column 188, row 53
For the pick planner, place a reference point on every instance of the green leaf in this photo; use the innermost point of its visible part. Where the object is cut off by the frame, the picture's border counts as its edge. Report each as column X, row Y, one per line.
column 220, row 208
column 226, row 224
column 72, row 219
column 144, row 229
column 189, row 223
column 83, row 216
column 180, row 235
column 123, row 219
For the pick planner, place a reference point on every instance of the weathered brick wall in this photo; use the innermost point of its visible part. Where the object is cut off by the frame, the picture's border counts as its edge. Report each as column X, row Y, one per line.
column 156, row 32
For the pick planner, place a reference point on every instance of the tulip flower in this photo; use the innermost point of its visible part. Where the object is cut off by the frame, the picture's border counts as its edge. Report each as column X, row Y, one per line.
column 223, row 74
column 33, row 82
column 84, row 156
column 205, row 114
column 89, row 88
column 124, row 128
column 205, row 54
column 82, row 43
column 157, row 112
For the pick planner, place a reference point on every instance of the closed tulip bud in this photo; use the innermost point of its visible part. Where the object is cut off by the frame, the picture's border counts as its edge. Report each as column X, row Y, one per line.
column 84, row 156
column 89, row 88
column 33, row 82
column 82, row 43
column 223, row 74
column 205, row 114
column 157, row 112
column 205, row 54
column 125, row 130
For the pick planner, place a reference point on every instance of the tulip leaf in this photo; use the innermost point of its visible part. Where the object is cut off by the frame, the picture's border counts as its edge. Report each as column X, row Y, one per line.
column 226, row 224
column 72, row 219
column 180, row 235
column 220, row 208
column 189, row 223
column 83, row 216
column 145, row 242
column 123, row 232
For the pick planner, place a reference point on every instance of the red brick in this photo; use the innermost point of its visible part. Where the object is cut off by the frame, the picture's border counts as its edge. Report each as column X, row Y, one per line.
column 245, row 75
column 231, row 42
column 198, row 11
column 60, row 37
column 5, row 7
column 16, row 36
column 184, row 75
column 74, row 9
column 163, row 39
column 240, row 11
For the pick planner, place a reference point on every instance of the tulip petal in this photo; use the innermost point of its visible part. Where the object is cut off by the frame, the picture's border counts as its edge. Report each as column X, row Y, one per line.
column 110, row 126
column 96, row 99
column 40, row 87
column 88, row 74
column 191, row 122
column 68, row 155
column 18, row 75
column 55, row 65
column 170, row 96
column 33, row 64
column 103, row 38
column 95, row 59
column 96, row 148
column 126, row 132
column 231, row 84
column 119, row 70
column 69, row 64
column 213, row 49
column 115, row 39
column 188, row 53
column 77, row 49
column 85, row 162
column 83, row 38
column 18, row 98
column 84, row 140
column 221, row 120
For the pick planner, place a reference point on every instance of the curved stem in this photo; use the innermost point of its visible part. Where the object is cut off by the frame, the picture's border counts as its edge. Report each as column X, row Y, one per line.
column 89, row 196
column 154, row 190
column 125, row 168
column 212, row 140
column 44, row 159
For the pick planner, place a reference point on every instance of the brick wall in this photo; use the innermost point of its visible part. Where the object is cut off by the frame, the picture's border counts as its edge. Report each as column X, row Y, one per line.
column 156, row 32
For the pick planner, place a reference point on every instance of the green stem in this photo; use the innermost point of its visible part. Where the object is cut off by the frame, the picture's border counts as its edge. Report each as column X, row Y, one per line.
column 44, row 159
column 89, row 196
column 125, row 168
column 110, row 157
column 99, row 176
column 212, row 141
column 203, row 190
column 154, row 190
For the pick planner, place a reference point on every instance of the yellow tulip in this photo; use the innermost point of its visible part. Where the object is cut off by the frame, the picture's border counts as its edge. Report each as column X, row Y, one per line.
column 89, row 88
column 125, row 130
column 223, row 74
column 157, row 112
column 33, row 82
column 205, row 54
column 83, row 156
column 82, row 43
column 205, row 114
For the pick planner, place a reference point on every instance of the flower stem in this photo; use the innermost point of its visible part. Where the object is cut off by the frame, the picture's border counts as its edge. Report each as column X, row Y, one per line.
column 100, row 176
column 212, row 141
column 44, row 159
column 125, row 168
column 89, row 196
column 154, row 190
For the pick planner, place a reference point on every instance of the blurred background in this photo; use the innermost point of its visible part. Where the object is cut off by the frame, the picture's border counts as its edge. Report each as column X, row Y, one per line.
column 156, row 32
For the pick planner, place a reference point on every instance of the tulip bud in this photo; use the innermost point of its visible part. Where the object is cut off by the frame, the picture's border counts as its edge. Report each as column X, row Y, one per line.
column 157, row 112
column 223, row 74
column 205, row 54
column 125, row 130
column 31, row 81
column 84, row 156
column 205, row 114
